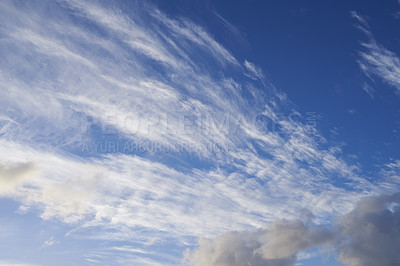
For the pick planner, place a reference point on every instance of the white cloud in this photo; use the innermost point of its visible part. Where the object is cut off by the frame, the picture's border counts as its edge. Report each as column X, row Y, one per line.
column 359, row 18
column 130, row 249
column 49, row 242
column 129, row 191
column 377, row 61
column 153, row 240
column 253, row 71
column 62, row 188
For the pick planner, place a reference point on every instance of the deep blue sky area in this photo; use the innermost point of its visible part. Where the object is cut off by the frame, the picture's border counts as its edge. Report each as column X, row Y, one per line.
column 309, row 49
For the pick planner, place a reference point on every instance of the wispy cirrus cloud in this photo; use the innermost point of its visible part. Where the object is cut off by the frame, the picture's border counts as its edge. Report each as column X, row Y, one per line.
column 369, row 90
column 376, row 60
column 49, row 242
column 253, row 71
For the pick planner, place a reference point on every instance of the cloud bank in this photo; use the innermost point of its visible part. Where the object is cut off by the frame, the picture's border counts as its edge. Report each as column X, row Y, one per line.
column 277, row 245
column 372, row 232
column 368, row 235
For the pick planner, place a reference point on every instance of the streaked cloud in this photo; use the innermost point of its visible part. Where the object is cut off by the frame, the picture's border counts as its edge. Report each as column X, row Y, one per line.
column 253, row 71
column 375, row 60
column 369, row 90
column 49, row 242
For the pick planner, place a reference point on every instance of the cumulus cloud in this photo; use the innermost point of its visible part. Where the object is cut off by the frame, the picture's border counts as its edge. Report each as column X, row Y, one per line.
column 277, row 245
column 368, row 235
column 372, row 231
column 14, row 175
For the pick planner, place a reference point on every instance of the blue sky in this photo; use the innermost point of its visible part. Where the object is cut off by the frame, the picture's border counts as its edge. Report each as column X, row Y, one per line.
column 199, row 132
